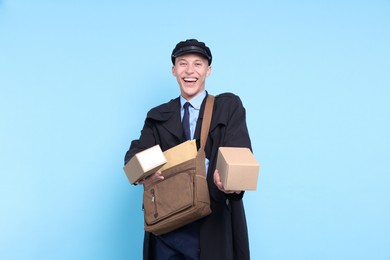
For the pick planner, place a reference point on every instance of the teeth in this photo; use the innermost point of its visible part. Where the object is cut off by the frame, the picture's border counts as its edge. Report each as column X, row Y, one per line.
column 190, row 79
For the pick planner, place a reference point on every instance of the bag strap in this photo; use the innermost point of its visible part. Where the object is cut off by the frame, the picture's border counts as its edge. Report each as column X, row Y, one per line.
column 208, row 112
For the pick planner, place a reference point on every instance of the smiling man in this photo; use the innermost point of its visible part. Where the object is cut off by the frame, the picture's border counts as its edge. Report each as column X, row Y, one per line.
column 191, row 65
column 222, row 235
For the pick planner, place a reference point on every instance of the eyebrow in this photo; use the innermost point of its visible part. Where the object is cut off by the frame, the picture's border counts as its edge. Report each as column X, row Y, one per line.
column 183, row 59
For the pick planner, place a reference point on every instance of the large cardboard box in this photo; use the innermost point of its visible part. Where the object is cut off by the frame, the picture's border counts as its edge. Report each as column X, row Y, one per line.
column 179, row 154
column 144, row 163
column 238, row 168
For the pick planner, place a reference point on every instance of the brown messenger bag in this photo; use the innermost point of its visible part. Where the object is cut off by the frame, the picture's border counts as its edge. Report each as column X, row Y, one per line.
column 183, row 196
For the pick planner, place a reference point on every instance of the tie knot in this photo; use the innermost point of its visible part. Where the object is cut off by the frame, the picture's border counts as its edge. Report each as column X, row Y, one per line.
column 186, row 105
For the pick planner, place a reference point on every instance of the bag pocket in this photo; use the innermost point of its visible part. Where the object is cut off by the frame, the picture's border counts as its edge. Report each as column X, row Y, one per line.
column 161, row 200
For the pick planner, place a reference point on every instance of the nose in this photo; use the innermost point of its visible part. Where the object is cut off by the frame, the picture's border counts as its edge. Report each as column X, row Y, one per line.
column 189, row 69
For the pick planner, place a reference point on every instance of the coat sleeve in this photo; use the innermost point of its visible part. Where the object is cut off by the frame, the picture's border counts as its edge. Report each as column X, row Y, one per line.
column 230, row 129
column 237, row 134
column 146, row 140
column 159, row 127
column 236, row 129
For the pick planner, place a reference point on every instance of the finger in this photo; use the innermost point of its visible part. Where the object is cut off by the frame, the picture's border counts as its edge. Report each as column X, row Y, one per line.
column 217, row 178
column 232, row 191
column 218, row 182
column 159, row 175
column 155, row 177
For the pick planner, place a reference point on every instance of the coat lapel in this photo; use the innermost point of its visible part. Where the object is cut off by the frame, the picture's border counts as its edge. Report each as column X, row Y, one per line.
column 169, row 117
column 173, row 124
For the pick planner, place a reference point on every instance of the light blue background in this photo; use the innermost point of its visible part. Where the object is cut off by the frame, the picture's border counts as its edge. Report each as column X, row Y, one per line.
column 78, row 77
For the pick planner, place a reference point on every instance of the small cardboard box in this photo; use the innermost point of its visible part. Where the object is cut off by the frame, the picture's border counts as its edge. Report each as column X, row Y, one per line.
column 179, row 154
column 238, row 168
column 144, row 163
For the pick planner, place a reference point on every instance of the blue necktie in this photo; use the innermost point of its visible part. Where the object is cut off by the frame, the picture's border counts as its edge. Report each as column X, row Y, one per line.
column 186, row 121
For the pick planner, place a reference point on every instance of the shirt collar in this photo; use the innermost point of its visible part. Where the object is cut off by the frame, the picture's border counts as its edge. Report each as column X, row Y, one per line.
column 195, row 102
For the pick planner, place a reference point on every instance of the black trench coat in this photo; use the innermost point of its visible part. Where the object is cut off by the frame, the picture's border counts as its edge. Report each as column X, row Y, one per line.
column 223, row 234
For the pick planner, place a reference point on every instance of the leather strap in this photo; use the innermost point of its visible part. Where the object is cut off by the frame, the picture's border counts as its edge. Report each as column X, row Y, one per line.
column 208, row 112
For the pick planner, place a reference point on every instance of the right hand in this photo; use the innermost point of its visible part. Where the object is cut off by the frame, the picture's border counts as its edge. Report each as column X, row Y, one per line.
column 152, row 178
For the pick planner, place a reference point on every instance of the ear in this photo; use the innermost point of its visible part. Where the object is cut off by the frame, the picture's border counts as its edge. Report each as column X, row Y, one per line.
column 173, row 71
column 208, row 71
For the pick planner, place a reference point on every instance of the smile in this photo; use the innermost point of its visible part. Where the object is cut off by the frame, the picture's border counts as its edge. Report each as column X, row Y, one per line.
column 190, row 79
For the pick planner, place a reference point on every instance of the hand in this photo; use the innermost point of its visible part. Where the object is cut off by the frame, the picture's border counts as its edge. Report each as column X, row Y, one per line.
column 152, row 178
column 219, row 184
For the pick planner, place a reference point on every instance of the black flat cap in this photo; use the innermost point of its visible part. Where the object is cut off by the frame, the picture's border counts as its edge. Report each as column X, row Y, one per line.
column 191, row 46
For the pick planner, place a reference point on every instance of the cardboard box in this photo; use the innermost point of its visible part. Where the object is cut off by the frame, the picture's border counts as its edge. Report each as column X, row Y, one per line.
column 144, row 163
column 238, row 168
column 179, row 154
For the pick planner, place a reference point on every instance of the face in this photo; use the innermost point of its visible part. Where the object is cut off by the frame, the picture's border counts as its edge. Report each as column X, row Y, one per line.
column 191, row 71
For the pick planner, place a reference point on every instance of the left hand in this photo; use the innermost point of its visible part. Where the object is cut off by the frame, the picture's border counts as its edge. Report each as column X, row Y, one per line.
column 152, row 178
column 219, row 184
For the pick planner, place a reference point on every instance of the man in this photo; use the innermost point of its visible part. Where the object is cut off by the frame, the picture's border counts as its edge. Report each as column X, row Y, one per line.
column 223, row 234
